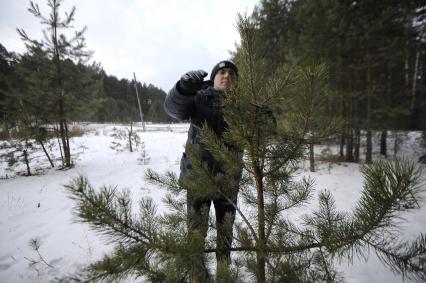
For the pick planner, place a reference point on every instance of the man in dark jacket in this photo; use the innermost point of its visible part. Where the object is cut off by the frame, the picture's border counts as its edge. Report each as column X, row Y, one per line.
column 200, row 101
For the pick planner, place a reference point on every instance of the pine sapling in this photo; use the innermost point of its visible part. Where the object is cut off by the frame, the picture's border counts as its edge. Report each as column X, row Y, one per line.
column 125, row 139
column 269, row 245
column 35, row 244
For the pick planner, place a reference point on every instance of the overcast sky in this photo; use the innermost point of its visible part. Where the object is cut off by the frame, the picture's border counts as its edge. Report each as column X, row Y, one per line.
column 157, row 39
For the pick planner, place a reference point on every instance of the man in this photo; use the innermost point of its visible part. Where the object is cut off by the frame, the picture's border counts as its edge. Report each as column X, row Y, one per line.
column 201, row 102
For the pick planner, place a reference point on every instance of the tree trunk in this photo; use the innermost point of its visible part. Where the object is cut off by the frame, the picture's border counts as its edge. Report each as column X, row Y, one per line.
column 413, row 106
column 67, row 138
column 388, row 108
column 65, row 148
column 59, row 145
column 349, row 146
column 63, row 127
column 311, row 157
column 357, row 132
column 340, row 85
column 261, row 245
column 63, row 132
column 130, row 136
column 368, row 157
column 349, row 135
column 406, row 76
column 368, row 154
column 46, row 153
column 357, row 144
column 27, row 162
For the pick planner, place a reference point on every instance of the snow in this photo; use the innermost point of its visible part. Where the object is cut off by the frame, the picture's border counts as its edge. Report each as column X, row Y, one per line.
column 39, row 207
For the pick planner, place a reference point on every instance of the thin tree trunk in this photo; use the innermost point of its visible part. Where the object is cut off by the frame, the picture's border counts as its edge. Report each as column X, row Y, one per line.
column 60, row 146
column 343, row 135
column 384, row 135
column 62, row 133
column 349, row 146
column 63, row 127
column 349, row 134
column 46, row 153
column 349, row 157
column 67, row 138
column 261, row 245
column 63, row 142
column 357, row 132
column 130, row 136
column 357, row 144
column 413, row 91
column 368, row 157
column 339, row 82
column 27, row 162
column 311, row 157
column 414, row 88
column 406, row 76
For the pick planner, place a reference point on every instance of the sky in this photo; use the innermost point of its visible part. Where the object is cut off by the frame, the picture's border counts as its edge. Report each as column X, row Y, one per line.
column 159, row 40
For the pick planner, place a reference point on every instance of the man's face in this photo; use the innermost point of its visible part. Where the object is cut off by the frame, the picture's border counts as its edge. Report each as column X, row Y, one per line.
column 225, row 79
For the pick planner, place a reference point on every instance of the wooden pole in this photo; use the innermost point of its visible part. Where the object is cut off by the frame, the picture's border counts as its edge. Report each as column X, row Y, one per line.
column 139, row 102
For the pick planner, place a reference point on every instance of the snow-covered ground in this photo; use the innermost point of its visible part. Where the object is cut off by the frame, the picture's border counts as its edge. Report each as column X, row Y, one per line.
column 38, row 207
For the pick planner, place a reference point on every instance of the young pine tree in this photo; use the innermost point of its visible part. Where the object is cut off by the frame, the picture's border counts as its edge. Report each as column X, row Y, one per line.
column 130, row 138
column 59, row 81
column 267, row 244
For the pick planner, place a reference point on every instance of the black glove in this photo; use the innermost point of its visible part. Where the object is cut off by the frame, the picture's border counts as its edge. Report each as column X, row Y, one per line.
column 191, row 82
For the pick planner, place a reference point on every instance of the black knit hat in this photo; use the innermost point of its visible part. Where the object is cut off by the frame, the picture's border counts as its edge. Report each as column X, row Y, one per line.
column 221, row 65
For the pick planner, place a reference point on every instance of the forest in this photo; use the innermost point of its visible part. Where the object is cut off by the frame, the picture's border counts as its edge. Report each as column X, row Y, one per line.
column 375, row 54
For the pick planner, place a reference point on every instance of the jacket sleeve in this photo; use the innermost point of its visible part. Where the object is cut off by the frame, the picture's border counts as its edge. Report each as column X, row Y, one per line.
column 178, row 105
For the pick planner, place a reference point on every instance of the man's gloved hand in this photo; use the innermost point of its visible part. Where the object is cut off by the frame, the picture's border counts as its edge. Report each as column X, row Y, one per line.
column 191, row 82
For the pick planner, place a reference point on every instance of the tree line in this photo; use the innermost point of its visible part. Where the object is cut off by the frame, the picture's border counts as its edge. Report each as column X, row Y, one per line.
column 105, row 98
column 375, row 54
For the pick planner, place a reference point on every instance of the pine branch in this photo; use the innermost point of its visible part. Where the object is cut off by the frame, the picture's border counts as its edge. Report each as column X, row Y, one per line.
column 97, row 210
column 35, row 244
column 160, row 251
column 401, row 258
column 169, row 181
column 124, row 262
column 389, row 188
column 242, row 215
column 320, row 259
